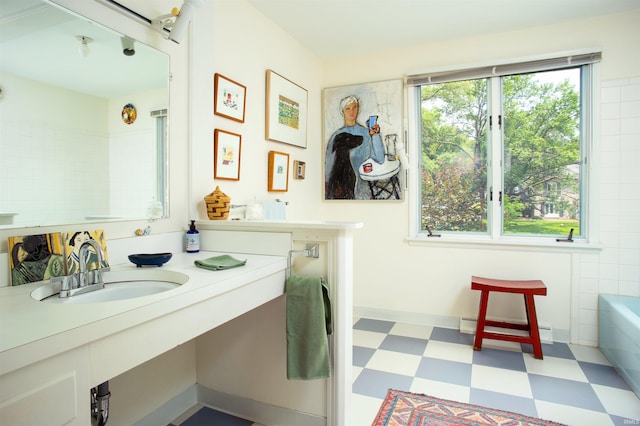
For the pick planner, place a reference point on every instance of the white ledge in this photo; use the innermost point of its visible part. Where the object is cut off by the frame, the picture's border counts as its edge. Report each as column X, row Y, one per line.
column 278, row 224
column 506, row 244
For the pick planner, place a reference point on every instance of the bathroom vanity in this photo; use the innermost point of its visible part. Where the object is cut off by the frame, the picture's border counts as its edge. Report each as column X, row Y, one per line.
column 51, row 354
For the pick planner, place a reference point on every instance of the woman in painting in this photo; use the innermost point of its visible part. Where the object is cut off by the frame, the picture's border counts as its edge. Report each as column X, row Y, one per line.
column 33, row 261
column 73, row 259
column 347, row 149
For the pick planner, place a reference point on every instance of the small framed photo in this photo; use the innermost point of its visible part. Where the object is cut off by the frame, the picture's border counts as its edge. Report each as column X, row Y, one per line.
column 298, row 167
column 229, row 98
column 278, row 171
column 226, row 155
column 286, row 111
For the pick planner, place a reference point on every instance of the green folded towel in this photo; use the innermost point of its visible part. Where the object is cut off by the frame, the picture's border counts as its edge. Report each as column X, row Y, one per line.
column 308, row 324
column 218, row 263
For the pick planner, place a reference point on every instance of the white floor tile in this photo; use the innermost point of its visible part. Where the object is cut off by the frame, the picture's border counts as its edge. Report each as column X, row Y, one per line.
column 355, row 372
column 501, row 344
column 368, row 339
column 619, row 402
column 394, row 362
column 449, row 351
column 555, row 367
column 441, row 390
column 501, row 380
column 571, row 415
column 588, row 354
column 412, row 330
column 365, row 409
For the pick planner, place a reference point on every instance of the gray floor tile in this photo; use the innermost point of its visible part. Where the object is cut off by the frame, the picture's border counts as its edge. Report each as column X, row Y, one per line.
column 567, row 392
column 376, row 383
column 209, row 417
column 408, row 345
column 558, row 350
column 361, row 356
column 451, row 336
column 500, row 359
column 374, row 325
column 603, row 375
column 457, row 373
column 501, row 401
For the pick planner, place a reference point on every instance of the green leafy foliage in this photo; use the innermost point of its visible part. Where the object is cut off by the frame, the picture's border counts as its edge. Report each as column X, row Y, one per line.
column 541, row 163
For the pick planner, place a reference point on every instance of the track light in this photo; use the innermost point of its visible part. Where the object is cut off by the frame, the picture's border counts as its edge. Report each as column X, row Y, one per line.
column 83, row 50
column 127, row 46
column 177, row 22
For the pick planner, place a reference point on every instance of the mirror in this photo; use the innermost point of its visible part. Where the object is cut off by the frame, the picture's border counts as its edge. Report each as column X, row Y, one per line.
column 83, row 120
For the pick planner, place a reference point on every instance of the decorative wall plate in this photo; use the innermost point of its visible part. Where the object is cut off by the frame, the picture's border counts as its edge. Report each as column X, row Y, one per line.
column 129, row 114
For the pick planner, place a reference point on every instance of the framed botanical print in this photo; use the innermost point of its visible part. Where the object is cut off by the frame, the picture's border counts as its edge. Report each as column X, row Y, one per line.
column 226, row 155
column 229, row 98
column 278, row 171
column 286, row 111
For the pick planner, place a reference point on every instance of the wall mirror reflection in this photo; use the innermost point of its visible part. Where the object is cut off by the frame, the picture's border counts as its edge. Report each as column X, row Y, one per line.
column 83, row 120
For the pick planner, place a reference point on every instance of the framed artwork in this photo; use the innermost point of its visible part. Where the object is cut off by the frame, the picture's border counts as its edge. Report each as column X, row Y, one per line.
column 363, row 135
column 36, row 258
column 229, row 98
column 299, row 169
column 226, row 155
column 286, row 111
column 72, row 243
column 278, row 171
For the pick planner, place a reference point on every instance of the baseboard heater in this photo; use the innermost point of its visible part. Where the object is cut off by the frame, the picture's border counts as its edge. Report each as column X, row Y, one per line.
column 468, row 326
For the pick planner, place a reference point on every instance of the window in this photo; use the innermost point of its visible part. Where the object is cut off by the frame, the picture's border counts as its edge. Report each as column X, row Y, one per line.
column 503, row 150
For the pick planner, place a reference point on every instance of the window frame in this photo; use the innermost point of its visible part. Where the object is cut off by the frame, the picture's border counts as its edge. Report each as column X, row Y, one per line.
column 494, row 238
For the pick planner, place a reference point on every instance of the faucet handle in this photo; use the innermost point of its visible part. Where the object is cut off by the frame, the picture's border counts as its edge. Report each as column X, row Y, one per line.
column 82, row 279
column 95, row 276
column 67, row 283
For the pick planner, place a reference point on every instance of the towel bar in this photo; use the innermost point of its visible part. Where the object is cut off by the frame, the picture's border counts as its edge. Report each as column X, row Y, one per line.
column 312, row 250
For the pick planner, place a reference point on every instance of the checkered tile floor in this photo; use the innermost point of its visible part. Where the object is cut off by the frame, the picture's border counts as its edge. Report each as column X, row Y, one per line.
column 574, row 385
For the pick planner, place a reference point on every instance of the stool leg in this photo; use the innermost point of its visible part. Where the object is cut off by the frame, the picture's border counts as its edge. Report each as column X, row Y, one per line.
column 532, row 319
column 482, row 314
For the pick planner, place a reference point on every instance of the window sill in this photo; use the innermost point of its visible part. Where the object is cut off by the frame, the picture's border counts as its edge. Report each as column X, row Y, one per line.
column 517, row 244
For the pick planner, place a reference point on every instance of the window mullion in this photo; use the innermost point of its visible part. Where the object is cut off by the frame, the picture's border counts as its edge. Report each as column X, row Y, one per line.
column 494, row 207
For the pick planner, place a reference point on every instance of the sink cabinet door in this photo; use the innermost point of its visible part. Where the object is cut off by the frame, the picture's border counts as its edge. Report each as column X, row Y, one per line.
column 51, row 392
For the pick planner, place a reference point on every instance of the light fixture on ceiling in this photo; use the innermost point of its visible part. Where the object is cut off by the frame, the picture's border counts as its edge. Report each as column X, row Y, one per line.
column 83, row 50
column 127, row 46
column 176, row 23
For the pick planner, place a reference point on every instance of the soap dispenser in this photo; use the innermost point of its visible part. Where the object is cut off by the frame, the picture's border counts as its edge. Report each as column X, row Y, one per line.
column 193, row 238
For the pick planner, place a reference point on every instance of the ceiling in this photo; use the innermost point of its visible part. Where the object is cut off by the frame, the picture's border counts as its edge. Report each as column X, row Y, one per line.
column 38, row 41
column 339, row 28
column 329, row 28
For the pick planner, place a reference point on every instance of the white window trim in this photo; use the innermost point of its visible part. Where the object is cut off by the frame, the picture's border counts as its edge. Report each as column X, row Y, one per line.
column 586, row 243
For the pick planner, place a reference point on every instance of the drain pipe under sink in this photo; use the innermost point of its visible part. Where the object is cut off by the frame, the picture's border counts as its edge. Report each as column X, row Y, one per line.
column 100, row 404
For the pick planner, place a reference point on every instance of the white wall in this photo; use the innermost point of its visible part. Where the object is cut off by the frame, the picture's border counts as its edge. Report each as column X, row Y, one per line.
column 233, row 39
column 178, row 131
column 393, row 280
column 42, row 128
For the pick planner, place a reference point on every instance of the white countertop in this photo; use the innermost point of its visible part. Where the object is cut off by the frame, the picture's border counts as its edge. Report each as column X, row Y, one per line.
column 31, row 330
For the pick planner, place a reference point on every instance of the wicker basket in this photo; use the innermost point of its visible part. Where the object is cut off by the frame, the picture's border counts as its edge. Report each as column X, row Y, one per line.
column 218, row 205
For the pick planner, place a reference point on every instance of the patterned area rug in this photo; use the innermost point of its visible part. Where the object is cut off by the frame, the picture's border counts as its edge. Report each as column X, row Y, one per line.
column 411, row 409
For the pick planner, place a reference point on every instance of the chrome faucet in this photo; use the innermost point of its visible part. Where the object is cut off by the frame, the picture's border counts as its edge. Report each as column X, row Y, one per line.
column 83, row 255
column 84, row 281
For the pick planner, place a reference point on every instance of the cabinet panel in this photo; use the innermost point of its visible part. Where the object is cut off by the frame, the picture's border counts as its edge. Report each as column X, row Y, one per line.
column 54, row 391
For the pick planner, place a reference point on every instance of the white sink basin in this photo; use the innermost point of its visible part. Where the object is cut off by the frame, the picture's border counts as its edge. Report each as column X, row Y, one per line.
column 119, row 285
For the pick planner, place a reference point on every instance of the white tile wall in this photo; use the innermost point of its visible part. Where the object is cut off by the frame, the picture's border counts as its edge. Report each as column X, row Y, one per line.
column 60, row 156
column 616, row 269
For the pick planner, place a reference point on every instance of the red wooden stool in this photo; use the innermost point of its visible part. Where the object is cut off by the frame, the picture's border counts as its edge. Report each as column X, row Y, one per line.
column 528, row 289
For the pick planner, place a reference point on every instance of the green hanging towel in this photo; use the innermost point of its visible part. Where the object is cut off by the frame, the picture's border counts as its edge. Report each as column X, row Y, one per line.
column 308, row 324
column 218, row 263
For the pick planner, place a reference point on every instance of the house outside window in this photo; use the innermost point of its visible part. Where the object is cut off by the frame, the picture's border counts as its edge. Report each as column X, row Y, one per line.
column 503, row 151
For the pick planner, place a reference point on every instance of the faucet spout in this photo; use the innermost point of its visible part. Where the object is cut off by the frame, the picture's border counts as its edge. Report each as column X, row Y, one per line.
column 85, row 281
column 83, row 254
